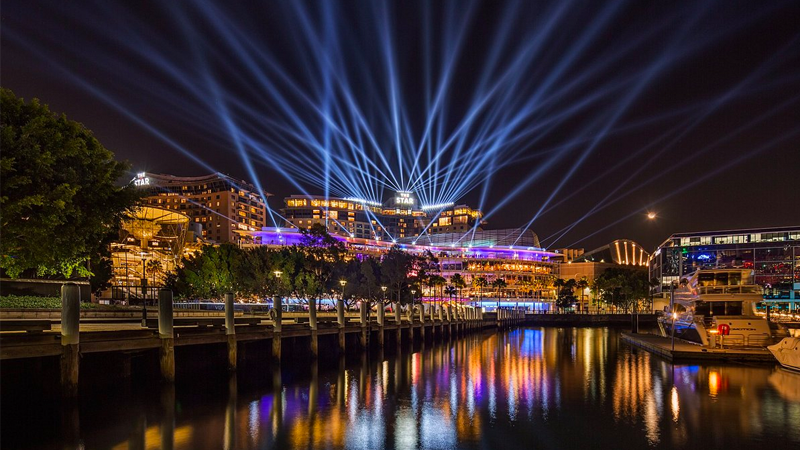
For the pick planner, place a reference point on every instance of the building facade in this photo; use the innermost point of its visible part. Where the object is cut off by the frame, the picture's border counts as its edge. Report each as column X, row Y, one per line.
column 216, row 203
column 772, row 253
column 591, row 264
column 398, row 218
column 528, row 272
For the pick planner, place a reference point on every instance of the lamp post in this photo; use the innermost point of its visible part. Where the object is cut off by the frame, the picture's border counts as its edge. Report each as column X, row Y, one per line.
column 343, row 283
column 672, row 312
column 277, row 274
column 144, row 289
column 383, row 288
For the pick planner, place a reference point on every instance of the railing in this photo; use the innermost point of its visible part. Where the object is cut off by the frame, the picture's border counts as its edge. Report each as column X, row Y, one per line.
column 741, row 289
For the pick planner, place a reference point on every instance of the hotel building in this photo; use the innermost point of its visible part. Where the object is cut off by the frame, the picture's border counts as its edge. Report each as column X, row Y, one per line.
column 399, row 217
column 511, row 255
column 772, row 253
column 216, row 204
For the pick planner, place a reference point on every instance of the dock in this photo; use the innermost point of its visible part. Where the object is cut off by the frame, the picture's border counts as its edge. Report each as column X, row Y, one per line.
column 688, row 352
column 70, row 333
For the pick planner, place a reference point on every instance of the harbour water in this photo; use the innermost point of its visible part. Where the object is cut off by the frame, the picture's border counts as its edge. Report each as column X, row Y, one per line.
column 527, row 388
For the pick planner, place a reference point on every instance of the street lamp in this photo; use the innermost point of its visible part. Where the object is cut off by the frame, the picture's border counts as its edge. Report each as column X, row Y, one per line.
column 343, row 283
column 277, row 274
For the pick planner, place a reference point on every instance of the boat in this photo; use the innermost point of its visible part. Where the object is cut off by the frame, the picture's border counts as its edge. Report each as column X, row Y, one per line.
column 787, row 351
column 716, row 308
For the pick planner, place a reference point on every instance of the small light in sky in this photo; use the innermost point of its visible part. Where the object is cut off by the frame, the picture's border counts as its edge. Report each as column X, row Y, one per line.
column 651, row 215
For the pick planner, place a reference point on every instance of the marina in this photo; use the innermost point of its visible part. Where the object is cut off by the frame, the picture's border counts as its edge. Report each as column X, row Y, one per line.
column 548, row 387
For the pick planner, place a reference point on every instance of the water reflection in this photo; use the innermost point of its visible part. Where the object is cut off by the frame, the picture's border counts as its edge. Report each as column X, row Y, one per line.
column 534, row 387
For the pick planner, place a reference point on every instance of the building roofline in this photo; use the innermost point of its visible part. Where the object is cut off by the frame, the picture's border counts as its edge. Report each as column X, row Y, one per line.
column 210, row 177
column 736, row 231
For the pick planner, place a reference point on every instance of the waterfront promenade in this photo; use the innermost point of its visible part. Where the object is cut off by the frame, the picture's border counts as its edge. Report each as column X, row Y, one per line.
column 70, row 335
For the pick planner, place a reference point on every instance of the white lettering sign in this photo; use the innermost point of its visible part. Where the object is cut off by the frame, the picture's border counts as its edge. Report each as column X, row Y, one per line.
column 141, row 179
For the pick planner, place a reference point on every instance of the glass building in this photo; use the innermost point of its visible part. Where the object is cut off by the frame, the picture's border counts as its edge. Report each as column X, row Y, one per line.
column 772, row 253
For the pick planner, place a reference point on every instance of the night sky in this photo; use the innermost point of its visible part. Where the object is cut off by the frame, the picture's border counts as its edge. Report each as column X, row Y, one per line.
column 595, row 113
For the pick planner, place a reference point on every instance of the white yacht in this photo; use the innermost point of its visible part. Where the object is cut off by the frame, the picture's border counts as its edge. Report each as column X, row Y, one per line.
column 787, row 351
column 716, row 308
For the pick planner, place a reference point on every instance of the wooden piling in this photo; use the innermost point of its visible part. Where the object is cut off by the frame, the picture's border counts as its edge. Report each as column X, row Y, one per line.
column 230, row 331
column 166, row 334
column 340, row 323
column 422, row 322
column 312, row 323
column 70, row 338
column 381, row 320
column 277, row 328
column 398, row 321
column 363, row 310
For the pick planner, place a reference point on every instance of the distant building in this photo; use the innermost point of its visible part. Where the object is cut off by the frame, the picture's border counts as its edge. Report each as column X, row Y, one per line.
column 622, row 252
column 151, row 243
column 772, row 253
column 217, row 203
column 569, row 254
column 526, row 269
column 397, row 218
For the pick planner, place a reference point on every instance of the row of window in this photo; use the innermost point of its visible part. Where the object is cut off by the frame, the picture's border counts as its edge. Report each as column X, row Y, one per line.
column 741, row 238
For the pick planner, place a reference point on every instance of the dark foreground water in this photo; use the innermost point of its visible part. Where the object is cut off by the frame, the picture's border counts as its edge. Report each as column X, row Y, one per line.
column 530, row 388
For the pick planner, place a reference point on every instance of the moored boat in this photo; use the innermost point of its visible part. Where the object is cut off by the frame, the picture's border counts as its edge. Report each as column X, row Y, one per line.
column 787, row 351
column 716, row 308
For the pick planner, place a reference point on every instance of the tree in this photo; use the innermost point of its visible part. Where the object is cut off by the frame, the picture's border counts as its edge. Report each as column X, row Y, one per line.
column 623, row 288
column 499, row 284
column 395, row 266
column 565, row 296
column 450, row 290
column 60, row 202
column 211, row 273
column 480, row 283
column 323, row 255
column 458, row 282
column 438, row 281
column 102, row 271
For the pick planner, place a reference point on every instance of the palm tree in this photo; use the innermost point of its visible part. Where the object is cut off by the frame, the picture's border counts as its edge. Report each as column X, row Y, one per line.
column 498, row 284
column 437, row 281
column 458, row 282
column 480, row 283
column 154, row 267
column 450, row 290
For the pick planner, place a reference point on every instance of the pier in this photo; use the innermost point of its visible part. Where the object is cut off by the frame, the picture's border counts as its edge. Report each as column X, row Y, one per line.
column 40, row 334
column 684, row 351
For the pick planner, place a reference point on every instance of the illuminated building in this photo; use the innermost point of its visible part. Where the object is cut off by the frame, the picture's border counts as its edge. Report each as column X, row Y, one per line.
column 152, row 242
column 622, row 252
column 772, row 253
column 399, row 217
column 217, row 203
column 527, row 270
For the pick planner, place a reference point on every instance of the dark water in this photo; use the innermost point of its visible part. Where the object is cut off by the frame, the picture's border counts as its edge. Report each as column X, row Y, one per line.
column 530, row 388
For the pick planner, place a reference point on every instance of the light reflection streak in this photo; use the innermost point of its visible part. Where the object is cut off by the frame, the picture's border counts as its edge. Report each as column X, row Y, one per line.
column 675, row 404
column 527, row 377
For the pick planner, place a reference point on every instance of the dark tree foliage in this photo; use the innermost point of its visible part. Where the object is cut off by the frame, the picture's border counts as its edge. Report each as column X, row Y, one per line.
column 313, row 269
column 395, row 267
column 59, row 205
column 625, row 288
column 565, row 293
